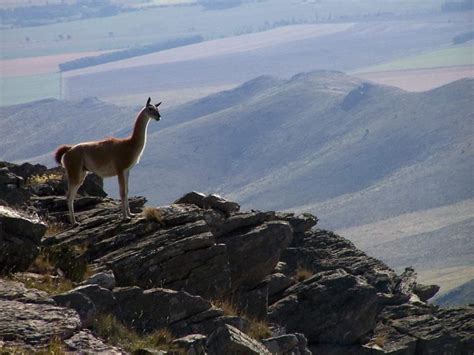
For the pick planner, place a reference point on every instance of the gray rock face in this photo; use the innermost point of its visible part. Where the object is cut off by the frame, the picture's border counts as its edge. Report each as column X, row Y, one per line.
column 253, row 254
column 418, row 328
column 20, row 238
column 321, row 250
column 212, row 201
column 277, row 283
column 330, row 307
column 163, row 308
column 85, row 342
column 79, row 302
column 16, row 291
column 202, row 251
column 294, row 344
column 230, row 340
column 194, row 344
column 254, row 302
column 105, row 279
column 102, row 298
column 180, row 250
column 29, row 319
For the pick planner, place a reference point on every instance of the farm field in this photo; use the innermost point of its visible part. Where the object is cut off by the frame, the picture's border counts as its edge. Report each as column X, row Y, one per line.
column 446, row 57
column 419, row 79
column 281, row 52
column 39, row 65
column 160, row 23
column 221, row 47
column 424, row 71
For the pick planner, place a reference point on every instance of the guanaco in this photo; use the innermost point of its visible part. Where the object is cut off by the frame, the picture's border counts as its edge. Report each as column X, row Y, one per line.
column 106, row 158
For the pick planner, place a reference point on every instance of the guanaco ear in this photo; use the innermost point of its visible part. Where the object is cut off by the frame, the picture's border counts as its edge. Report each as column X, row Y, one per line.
column 158, row 104
column 148, row 102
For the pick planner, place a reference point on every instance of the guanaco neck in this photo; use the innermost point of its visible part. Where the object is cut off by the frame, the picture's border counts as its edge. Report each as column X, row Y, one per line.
column 138, row 137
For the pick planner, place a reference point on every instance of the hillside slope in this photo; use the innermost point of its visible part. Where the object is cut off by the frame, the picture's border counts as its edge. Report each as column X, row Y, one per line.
column 352, row 152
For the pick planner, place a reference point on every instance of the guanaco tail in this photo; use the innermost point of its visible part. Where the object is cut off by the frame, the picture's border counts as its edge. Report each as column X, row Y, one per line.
column 106, row 158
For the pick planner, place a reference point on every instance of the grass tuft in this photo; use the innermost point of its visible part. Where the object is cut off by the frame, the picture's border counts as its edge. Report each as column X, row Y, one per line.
column 256, row 329
column 380, row 340
column 70, row 260
column 228, row 307
column 44, row 178
column 303, row 274
column 55, row 228
column 53, row 285
column 154, row 214
column 116, row 333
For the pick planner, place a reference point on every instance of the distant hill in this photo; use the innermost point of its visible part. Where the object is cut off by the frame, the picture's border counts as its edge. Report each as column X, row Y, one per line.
column 461, row 295
column 350, row 151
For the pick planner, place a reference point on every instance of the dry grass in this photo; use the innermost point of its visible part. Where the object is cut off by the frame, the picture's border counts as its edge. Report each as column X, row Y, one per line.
column 116, row 333
column 256, row 329
column 303, row 274
column 70, row 260
column 380, row 340
column 154, row 214
column 228, row 307
column 55, row 270
column 55, row 228
column 54, row 347
column 44, row 178
column 52, row 285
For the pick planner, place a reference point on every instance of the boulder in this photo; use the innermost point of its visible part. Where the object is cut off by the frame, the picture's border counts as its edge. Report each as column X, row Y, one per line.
column 277, row 283
column 221, row 204
column 230, row 340
column 20, row 237
column 192, row 197
column 193, row 344
column 425, row 292
column 330, row 307
column 17, row 291
column 295, row 344
column 300, row 223
column 213, row 201
column 102, row 298
column 84, row 342
column 254, row 253
column 148, row 310
column 320, row 250
column 178, row 252
column 428, row 329
column 105, row 279
column 254, row 302
column 79, row 302
column 29, row 325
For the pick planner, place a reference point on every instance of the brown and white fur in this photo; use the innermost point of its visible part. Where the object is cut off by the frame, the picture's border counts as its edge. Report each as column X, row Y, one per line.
column 106, row 158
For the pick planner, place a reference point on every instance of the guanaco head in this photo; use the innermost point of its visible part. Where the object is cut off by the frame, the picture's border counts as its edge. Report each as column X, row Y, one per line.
column 152, row 110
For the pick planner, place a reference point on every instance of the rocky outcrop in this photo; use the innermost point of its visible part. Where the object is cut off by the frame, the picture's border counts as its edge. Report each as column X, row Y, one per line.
column 29, row 318
column 158, row 308
column 321, row 250
column 20, row 238
column 309, row 308
column 169, row 266
column 229, row 340
column 295, row 344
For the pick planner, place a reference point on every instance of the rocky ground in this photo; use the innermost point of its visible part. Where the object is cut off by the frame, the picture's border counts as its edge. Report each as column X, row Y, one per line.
column 196, row 277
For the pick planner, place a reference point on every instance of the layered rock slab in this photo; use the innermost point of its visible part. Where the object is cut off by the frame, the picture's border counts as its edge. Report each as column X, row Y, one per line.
column 20, row 238
column 330, row 307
